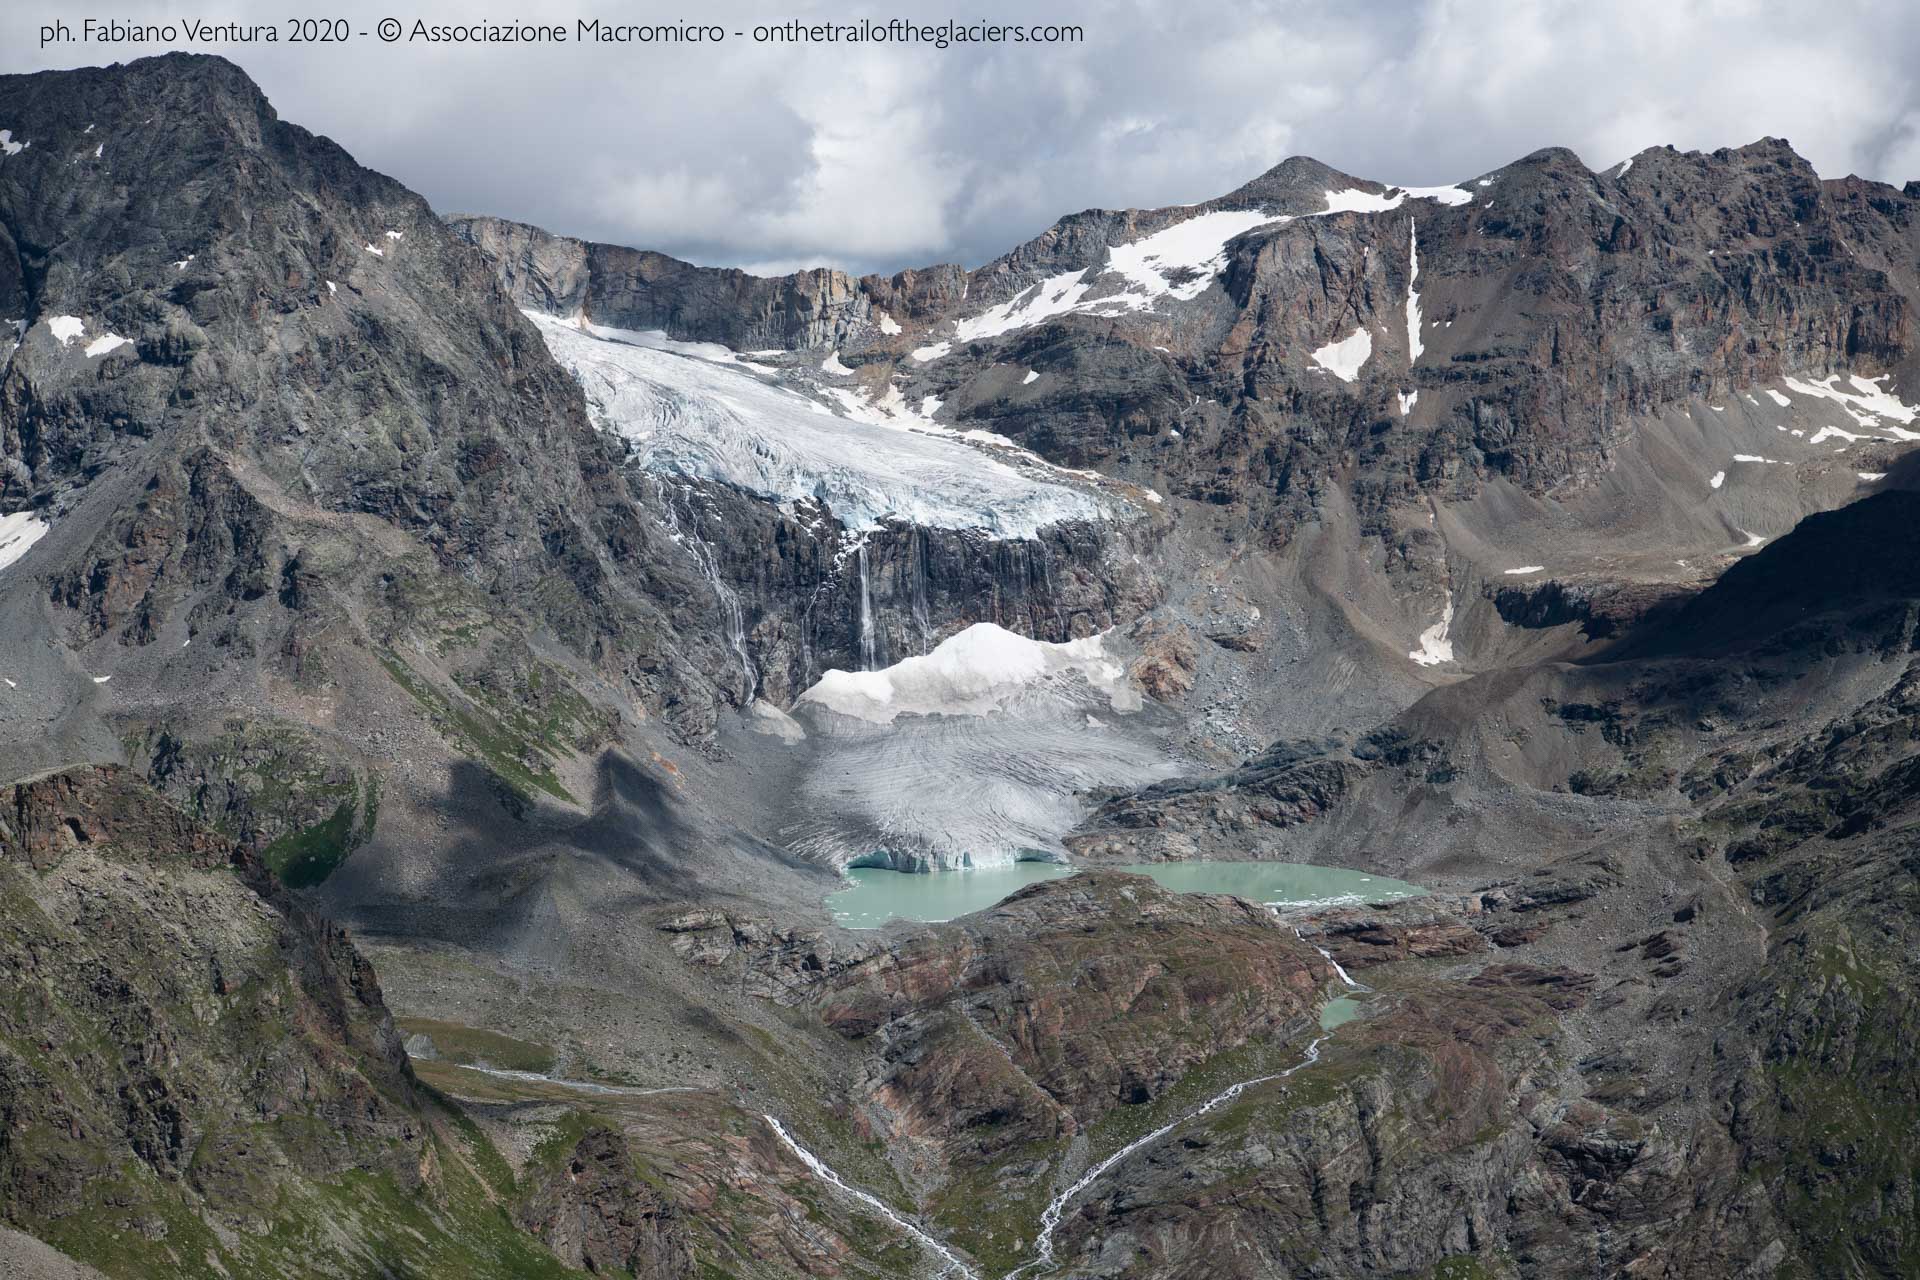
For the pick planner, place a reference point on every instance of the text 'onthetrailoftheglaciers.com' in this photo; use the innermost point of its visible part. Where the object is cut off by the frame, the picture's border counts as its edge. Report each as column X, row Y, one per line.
column 899, row 32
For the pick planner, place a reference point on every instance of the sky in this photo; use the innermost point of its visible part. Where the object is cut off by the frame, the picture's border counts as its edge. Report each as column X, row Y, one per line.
column 773, row 157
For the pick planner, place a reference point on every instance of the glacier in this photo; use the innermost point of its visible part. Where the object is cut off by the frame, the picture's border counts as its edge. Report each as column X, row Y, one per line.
column 699, row 412
column 976, row 754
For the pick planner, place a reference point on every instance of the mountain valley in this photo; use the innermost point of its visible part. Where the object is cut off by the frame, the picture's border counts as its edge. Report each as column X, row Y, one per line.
column 548, row 628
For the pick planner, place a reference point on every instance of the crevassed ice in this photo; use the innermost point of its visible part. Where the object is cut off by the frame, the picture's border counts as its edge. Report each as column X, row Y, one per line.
column 706, row 418
column 980, row 753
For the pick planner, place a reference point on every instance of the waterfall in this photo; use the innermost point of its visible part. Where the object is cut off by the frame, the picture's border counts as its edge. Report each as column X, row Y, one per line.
column 921, row 614
column 1328, row 957
column 709, row 561
column 1050, row 1218
column 869, row 648
column 1048, row 598
column 820, row 1170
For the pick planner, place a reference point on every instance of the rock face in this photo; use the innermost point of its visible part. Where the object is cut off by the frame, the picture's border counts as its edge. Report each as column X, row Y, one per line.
column 595, row 1213
column 638, row 289
column 196, row 1073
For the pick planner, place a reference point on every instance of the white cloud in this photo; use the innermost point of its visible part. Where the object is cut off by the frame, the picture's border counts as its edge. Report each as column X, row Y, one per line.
column 889, row 157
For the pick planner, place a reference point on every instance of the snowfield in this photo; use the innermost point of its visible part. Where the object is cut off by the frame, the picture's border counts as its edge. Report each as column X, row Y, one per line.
column 974, row 673
column 699, row 412
column 18, row 532
column 1176, row 263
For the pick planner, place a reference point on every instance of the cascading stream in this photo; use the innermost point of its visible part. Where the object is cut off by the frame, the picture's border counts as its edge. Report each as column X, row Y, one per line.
column 869, row 656
column 688, row 536
column 1328, row 957
column 953, row 1264
column 1050, row 1218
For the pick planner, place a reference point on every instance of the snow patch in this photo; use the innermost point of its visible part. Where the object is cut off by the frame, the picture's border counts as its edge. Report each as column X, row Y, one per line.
column 1719, row 478
column 888, row 325
column 1525, row 569
column 394, row 235
column 1407, row 399
column 1866, row 404
column 1414, row 345
column 182, row 264
column 66, row 328
column 934, row 352
column 1031, row 378
column 8, row 146
column 833, row 366
column 1343, row 358
column 1054, row 296
column 18, row 532
column 332, row 288
column 378, row 253
column 1754, row 457
column 107, row 342
column 1871, row 476
column 1193, row 252
column 1353, row 200
column 1435, row 645
column 975, row 673
column 1779, row 398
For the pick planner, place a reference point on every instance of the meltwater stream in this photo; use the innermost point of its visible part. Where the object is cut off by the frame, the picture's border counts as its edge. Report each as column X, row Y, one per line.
column 1050, row 1218
column 822, row 1171
column 1055, row 1212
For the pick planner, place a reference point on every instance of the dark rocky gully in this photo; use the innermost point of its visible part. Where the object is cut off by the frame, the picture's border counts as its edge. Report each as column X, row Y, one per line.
column 445, row 678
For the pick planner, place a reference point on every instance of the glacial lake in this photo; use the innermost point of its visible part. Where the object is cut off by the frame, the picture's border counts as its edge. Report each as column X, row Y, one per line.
column 878, row 895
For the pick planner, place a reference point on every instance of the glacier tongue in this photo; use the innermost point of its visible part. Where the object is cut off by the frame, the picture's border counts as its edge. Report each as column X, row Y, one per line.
column 702, row 414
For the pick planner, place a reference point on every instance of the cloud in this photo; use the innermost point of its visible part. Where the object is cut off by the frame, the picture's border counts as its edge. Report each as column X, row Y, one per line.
column 884, row 157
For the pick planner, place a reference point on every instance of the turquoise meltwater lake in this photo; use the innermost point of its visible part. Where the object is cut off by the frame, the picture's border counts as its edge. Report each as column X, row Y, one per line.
column 878, row 895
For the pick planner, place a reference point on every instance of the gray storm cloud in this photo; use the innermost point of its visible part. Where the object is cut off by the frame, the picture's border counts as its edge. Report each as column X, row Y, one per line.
column 775, row 156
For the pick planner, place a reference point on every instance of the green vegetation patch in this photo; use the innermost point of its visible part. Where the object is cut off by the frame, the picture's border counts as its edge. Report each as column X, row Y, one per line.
column 475, row 1046
column 521, row 759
